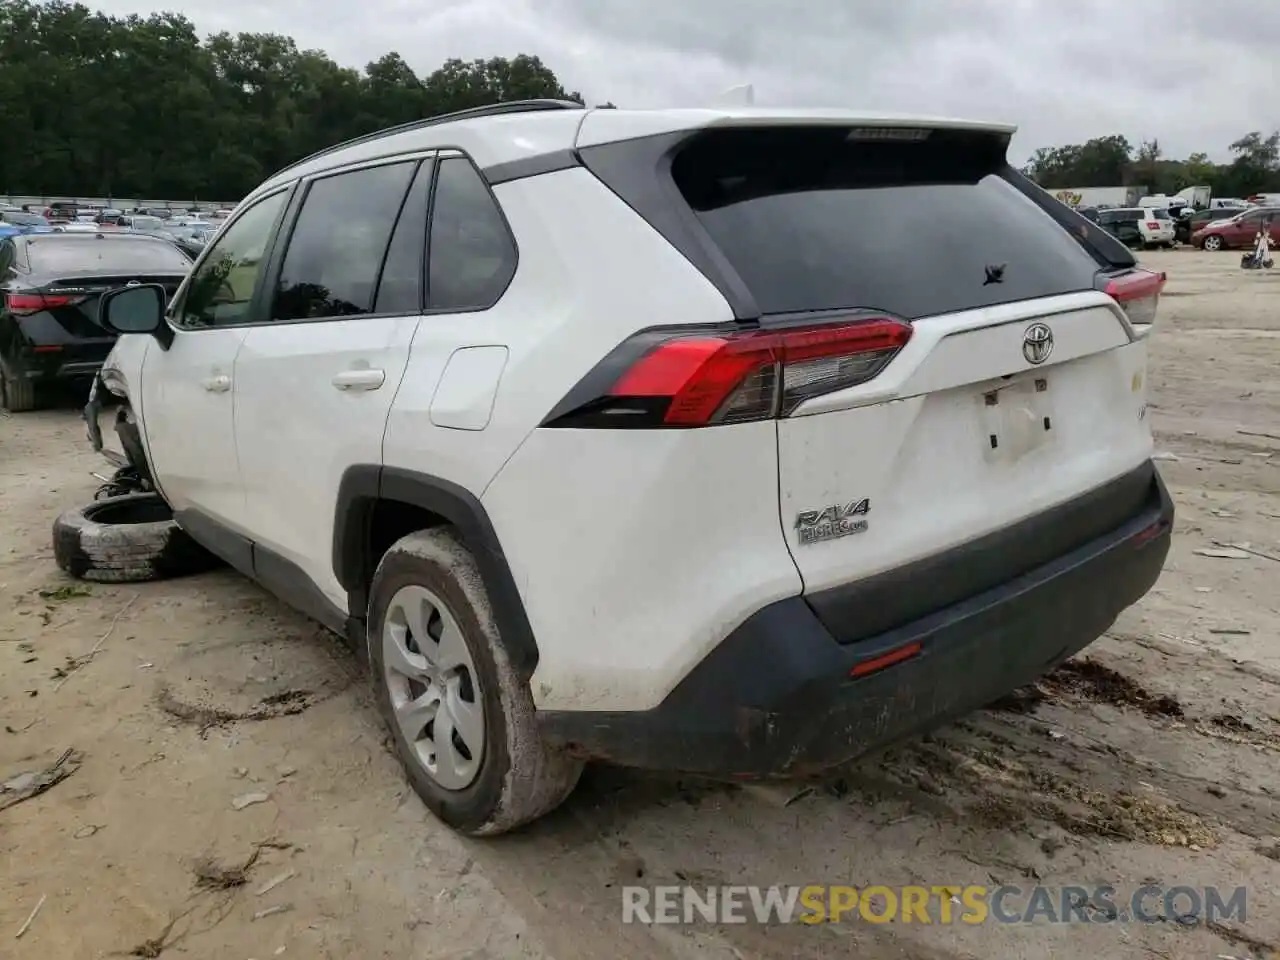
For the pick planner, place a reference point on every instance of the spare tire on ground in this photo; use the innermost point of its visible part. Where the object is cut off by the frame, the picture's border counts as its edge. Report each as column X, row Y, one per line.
column 126, row 539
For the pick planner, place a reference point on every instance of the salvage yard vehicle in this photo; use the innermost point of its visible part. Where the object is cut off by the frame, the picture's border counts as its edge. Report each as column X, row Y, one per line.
column 1240, row 230
column 50, row 285
column 683, row 439
column 20, row 222
column 1139, row 226
column 1189, row 223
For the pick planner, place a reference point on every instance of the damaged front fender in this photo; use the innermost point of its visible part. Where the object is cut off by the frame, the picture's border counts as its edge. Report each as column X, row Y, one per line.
column 130, row 457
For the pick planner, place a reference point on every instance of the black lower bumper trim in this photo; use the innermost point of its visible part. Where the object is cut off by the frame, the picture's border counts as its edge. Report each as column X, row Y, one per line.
column 871, row 606
column 775, row 697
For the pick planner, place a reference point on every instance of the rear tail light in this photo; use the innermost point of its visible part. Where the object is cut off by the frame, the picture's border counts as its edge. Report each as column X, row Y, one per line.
column 22, row 304
column 1138, row 293
column 700, row 379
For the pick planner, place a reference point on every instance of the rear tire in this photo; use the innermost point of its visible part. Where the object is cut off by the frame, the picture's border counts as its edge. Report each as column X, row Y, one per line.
column 436, row 657
column 17, row 393
column 126, row 539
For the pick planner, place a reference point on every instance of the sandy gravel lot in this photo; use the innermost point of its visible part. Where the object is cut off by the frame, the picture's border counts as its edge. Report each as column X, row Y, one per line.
column 1155, row 758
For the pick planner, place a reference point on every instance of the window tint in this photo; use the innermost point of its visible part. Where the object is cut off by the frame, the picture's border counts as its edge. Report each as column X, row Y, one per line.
column 222, row 288
column 1161, row 214
column 400, row 286
column 55, row 253
column 814, row 219
column 335, row 251
column 472, row 255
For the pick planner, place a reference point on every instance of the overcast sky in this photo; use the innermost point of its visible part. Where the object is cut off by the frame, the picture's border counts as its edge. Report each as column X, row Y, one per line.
column 1196, row 75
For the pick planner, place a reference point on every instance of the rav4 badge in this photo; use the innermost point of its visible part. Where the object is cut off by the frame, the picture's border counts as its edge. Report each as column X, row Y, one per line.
column 833, row 522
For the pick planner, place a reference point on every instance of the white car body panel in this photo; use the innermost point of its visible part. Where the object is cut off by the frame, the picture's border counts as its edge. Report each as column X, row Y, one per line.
column 187, row 406
column 630, row 580
column 576, row 294
column 935, row 482
column 634, row 552
column 297, row 430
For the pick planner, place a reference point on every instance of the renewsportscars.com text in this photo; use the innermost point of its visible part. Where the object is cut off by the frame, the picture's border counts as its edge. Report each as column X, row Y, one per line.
column 941, row 904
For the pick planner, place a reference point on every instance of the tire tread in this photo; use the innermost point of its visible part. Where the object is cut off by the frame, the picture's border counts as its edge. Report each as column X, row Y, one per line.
column 125, row 552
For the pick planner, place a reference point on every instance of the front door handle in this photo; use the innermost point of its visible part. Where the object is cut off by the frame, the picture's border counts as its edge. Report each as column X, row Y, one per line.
column 219, row 384
column 364, row 379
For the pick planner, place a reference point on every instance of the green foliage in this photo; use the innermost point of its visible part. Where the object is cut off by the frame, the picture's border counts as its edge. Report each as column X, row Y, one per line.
column 1113, row 162
column 95, row 105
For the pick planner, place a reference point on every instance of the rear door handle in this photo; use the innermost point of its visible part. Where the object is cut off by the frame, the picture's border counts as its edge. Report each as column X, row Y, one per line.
column 359, row 379
column 218, row 384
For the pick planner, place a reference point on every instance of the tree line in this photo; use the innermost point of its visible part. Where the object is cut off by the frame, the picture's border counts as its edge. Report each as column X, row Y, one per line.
column 96, row 105
column 1113, row 162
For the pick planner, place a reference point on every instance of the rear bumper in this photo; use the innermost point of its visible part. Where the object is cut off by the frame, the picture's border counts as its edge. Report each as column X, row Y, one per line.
column 775, row 698
column 70, row 362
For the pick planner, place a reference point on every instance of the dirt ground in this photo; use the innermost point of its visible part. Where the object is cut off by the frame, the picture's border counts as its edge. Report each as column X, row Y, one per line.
column 1152, row 759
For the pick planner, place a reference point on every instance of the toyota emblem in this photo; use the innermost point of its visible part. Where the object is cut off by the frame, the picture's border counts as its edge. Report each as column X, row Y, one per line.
column 1037, row 343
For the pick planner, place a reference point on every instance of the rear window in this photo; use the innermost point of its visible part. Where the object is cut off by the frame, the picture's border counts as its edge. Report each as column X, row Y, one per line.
column 61, row 254
column 812, row 219
column 1161, row 214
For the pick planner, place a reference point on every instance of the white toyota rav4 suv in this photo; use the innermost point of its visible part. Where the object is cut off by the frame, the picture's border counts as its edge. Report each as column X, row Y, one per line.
column 734, row 442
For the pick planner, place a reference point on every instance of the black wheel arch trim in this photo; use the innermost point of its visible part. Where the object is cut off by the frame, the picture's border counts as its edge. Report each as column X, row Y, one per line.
column 359, row 492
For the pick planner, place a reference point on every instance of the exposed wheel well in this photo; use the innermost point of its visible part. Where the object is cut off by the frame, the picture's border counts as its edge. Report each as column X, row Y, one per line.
column 389, row 520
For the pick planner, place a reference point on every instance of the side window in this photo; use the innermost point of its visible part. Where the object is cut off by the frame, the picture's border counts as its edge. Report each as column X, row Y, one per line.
column 7, row 257
column 221, row 290
column 472, row 256
column 400, row 286
column 338, row 242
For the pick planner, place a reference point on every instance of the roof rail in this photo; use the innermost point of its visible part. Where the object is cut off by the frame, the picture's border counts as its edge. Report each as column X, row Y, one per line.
column 489, row 110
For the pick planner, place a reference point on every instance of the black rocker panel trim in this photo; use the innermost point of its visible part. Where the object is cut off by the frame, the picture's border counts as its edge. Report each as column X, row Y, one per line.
column 273, row 572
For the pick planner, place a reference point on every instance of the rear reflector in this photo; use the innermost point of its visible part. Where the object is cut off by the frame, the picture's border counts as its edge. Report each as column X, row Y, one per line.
column 883, row 660
column 1138, row 293
column 22, row 304
column 1147, row 534
column 733, row 377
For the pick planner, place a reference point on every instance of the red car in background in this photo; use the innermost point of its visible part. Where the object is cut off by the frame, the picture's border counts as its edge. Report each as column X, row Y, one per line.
column 1240, row 231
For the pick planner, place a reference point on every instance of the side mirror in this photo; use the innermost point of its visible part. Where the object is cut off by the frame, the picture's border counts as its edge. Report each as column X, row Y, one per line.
column 137, row 309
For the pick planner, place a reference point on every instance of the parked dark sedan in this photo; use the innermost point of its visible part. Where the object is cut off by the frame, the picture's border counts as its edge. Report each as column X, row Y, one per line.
column 50, row 285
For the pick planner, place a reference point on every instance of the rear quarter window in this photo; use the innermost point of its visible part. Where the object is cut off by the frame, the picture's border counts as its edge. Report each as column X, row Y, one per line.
column 812, row 220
